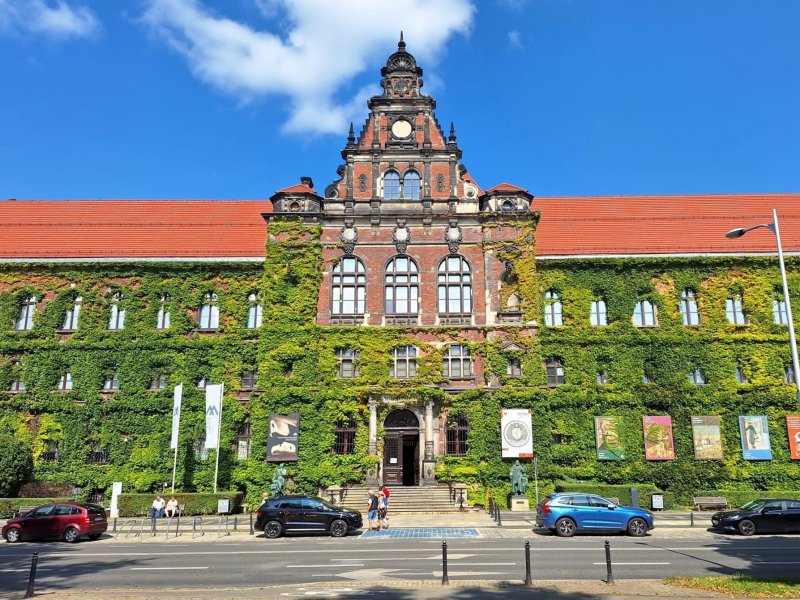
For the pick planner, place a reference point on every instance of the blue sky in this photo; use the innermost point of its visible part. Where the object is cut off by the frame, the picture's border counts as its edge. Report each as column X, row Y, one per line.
column 238, row 98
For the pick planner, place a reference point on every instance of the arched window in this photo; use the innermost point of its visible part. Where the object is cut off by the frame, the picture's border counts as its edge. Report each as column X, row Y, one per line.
column 779, row 310
column 457, row 428
column 162, row 319
column 253, row 312
column 348, row 287
column 552, row 309
column 73, row 313
column 208, row 316
column 644, row 314
column 25, row 318
column 689, row 314
column 598, row 314
column 391, row 185
column 345, row 442
column 555, row 371
column 455, row 286
column 401, row 291
column 411, row 185
column 116, row 319
column 734, row 310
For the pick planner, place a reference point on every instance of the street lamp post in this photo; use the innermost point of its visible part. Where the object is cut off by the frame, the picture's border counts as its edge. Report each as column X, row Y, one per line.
column 773, row 227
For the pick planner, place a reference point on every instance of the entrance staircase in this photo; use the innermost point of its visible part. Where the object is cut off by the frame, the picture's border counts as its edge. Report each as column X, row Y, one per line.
column 403, row 499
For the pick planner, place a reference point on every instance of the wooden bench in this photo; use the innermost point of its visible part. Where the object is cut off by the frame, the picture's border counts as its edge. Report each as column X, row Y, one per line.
column 710, row 502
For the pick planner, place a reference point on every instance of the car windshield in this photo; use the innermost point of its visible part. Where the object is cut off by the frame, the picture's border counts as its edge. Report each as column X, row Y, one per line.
column 753, row 504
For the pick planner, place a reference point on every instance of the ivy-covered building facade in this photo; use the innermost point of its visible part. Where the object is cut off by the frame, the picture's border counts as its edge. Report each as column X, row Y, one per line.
column 398, row 312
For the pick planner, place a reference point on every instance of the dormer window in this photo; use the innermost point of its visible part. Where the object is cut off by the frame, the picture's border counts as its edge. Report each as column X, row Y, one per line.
column 411, row 185
column 406, row 188
column 24, row 320
column 507, row 206
column 391, row 185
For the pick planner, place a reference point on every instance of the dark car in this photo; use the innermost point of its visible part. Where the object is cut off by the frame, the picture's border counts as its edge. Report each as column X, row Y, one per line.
column 567, row 513
column 299, row 514
column 765, row 515
column 68, row 521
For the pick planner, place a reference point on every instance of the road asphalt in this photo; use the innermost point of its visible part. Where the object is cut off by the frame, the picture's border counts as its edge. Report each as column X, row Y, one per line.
column 515, row 526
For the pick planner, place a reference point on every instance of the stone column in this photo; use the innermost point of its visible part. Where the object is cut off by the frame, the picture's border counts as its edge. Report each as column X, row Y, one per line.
column 372, row 473
column 428, row 463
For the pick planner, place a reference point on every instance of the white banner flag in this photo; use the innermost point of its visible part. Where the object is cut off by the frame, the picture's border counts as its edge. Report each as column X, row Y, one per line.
column 213, row 415
column 176, row 416
column 517, row 438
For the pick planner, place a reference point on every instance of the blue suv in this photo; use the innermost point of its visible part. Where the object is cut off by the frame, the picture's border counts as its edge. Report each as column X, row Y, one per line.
column 567, row 513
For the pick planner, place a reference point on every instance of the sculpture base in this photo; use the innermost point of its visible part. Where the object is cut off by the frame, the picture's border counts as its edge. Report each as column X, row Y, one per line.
column 519, row 503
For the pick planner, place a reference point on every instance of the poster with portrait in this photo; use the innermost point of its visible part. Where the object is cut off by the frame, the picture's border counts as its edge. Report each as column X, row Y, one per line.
column 516, row 435
column 607, row 441
column 283, row 436
column 793, row 429
column 754, row 430
column 707, row 437
column 658, row 444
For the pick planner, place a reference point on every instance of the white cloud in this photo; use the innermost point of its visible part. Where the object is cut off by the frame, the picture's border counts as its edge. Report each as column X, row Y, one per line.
column 515, row 40
column 318, row 47
column 57, row 19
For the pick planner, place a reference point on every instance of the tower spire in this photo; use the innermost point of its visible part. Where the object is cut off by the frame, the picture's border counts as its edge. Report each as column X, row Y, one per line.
column 401, row 45
column 351, row 136
column 452, row 138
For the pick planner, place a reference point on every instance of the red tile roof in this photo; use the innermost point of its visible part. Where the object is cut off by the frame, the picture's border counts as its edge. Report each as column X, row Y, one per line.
column 602, row 226
column 298, row 188
column 506, row 187
column 606, row 225
column 132, row 228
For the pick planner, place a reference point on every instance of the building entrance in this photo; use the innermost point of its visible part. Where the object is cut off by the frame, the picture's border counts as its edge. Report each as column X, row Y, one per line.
column 401, row 448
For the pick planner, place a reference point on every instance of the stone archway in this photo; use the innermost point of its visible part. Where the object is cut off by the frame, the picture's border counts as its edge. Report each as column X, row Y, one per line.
column 401, row 464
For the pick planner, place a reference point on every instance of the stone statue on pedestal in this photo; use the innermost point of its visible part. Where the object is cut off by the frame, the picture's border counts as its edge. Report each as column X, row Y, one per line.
column 278, row 485
column 519, row 479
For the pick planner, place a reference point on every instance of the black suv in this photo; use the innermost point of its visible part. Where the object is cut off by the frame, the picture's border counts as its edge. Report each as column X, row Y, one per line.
column 305, row 514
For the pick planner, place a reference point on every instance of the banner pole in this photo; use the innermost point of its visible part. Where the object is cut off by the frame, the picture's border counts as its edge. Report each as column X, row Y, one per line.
column 219, row 436
column 174, row 467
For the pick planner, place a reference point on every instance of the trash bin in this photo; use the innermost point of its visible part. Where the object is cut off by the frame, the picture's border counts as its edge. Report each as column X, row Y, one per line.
column 657, row 501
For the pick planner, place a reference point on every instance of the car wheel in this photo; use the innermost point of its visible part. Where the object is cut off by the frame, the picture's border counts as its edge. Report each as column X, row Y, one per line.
column 637, row 527
column 71, row 535
column 95, row 536
column 747, row 527
column 339, row 528
column 13, row 536
column 272, row 530
column 565, row 528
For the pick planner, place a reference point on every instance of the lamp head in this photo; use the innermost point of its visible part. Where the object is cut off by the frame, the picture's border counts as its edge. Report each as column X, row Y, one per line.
column 736, row 233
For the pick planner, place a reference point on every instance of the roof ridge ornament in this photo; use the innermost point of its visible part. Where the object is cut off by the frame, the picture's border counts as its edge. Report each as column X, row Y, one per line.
column 401, row 45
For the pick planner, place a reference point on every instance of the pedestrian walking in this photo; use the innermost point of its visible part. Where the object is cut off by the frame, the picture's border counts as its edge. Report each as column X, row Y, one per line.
column 383, row 507
column 372, row 510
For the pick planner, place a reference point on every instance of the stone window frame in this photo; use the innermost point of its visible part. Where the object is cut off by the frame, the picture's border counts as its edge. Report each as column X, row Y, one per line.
column 690, row 315
column 345, row 435
column 340, row 283
column 208, row 313
column 644, row 314
column 457, row 430
column 412, row 285
column 462, row 357
column 553, row 309
column 444, row 285
column 555, row 371
column 27, row 310
column 598, row 312
column 409, row 360
column 348, row 363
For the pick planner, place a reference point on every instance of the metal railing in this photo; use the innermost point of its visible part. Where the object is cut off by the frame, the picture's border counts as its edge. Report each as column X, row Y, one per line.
column 195, row 521
column 223, row 518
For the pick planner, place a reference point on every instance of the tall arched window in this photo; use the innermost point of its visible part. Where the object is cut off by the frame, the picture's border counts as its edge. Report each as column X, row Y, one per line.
column 552, row 309
column 162, row 319
column 73, row 313
column 689, row 314
column 734, row 310
column 644, row 314
column 401, row 292
column 348, row 287
column 253, row 312
column 455, row 286
column 411, row 185
column 25, row 318
column 208, row 316
column 391, row 185
column 598, row 314
column 457, row 428
column 116, row 319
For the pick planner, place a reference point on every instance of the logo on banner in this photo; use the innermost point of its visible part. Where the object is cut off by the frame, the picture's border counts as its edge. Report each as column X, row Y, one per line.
column 515, row 432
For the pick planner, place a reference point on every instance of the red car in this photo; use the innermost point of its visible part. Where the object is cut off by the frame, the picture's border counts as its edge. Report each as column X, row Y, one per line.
column 68, row 521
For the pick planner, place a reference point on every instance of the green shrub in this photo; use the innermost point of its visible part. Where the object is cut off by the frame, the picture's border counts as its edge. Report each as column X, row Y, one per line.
column 740, row 497
column 16, row 464
column 137, row 505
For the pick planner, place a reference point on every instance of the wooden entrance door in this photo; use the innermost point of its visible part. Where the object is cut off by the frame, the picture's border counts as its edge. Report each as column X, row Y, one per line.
column 401, row 458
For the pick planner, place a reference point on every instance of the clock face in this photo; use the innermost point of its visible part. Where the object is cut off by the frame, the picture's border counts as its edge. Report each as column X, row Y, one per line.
column 401, row 128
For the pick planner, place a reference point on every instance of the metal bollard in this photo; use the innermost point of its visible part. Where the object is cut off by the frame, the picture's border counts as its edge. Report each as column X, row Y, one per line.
column 177, row 525
column 32, row 577
column 691, row 519
column 114, row 528
column 528, row 580
column 445, row 578
column 153, row 525
column 252, row 531
column 235, row 523
column 499, row 520
column 609, row 575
